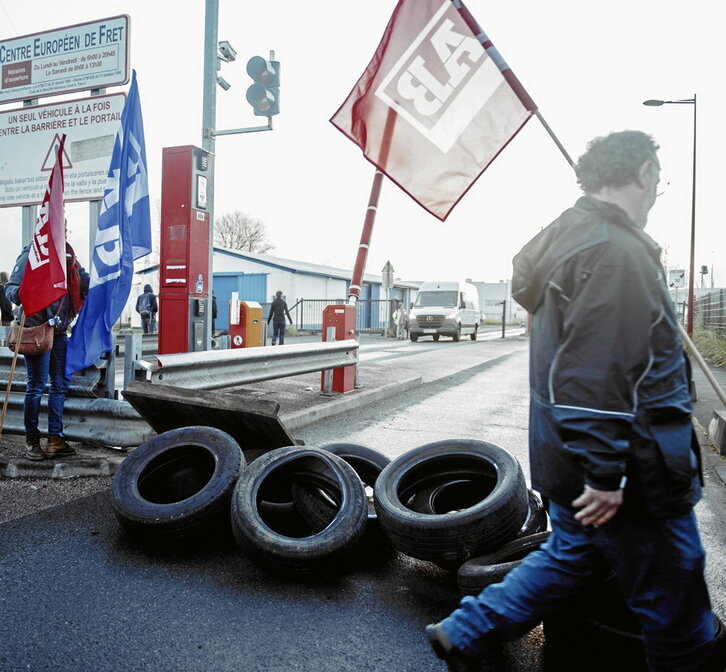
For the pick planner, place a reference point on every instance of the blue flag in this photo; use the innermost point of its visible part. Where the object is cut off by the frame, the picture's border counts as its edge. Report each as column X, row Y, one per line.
column 124, row 234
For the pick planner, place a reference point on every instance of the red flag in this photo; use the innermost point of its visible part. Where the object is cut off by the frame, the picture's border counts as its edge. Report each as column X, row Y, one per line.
column 455, row 102
column 44, row 278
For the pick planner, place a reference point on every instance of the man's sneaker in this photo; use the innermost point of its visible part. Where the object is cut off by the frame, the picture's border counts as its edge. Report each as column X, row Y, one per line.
column 455, row 660
column 32, row 448
column 57, row 447
column 274, row 342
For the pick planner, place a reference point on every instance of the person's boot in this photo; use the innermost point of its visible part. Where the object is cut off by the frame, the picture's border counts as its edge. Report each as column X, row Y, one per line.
column 456, row 660
column 32, row 448
column 57, row 447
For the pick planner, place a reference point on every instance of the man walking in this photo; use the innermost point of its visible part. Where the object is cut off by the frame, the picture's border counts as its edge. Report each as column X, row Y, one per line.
column 611, row 441
column 278, row 311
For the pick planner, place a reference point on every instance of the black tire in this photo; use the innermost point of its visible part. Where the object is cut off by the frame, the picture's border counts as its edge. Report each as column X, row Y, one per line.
column 178, row 484
column 435, row 337
column 319, row 508
column 452, row 494
column 476, row 574
column 536, row 520
column 473, row 335
column 457, row 334
column 451, row 538
column 414, row 338
column 325, row 550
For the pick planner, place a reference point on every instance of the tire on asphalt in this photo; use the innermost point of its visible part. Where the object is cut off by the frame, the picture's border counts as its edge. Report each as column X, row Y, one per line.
column 449, row 539
column 537, row 518
column 477, row 573
column 318, row 507
column 178, row 484
column 324, row 550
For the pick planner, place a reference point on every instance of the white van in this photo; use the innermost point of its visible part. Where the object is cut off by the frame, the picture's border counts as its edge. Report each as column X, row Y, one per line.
column 445, row 308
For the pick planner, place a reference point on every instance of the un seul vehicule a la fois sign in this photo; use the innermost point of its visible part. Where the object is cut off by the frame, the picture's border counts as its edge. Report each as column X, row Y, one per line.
column 81, row 57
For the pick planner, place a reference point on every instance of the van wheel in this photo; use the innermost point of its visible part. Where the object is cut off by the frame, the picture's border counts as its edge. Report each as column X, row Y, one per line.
column 474, row 333
column 414, row 338
column 457, row 335
column 436, row 337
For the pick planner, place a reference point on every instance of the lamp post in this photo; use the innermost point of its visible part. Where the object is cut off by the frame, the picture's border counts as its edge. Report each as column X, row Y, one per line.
column 691, row 270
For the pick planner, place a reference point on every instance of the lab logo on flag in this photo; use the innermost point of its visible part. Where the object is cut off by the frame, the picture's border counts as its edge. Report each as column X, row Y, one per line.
column 442, row 81
column 435, row 105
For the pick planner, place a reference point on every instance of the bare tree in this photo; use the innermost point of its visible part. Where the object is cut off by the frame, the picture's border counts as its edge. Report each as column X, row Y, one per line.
column 238, row 231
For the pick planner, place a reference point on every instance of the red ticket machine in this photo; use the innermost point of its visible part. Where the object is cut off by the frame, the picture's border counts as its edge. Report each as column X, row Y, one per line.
column 184, row 266
column 341, row 318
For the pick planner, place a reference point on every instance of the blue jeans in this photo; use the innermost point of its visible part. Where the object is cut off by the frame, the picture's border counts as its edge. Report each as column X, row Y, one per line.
column 659, row 566
column 37, row 368
column 278, row 332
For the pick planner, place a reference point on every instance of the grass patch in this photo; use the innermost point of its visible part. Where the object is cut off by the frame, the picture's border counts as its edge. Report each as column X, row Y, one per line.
column 711, row 345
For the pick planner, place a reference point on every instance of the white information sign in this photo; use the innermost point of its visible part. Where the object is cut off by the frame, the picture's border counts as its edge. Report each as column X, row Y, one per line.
column 29, row 138
column 85, row 56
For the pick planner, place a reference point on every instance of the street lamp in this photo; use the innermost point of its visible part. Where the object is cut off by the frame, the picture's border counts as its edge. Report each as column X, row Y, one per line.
column 691, row 270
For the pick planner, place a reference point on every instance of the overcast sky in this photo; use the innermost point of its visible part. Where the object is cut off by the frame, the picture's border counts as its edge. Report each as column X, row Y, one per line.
column 588, row 71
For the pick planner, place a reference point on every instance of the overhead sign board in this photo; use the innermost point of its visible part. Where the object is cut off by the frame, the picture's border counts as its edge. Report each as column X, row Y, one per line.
column 84, row 56
column 29, row 137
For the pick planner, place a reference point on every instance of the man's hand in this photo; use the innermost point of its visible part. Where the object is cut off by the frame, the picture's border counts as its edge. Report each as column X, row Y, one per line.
column 598, row 506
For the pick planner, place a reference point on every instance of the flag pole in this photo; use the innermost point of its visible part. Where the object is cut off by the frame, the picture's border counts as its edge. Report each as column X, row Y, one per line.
column 507, row 73
column 356, row 282
column 12, row 372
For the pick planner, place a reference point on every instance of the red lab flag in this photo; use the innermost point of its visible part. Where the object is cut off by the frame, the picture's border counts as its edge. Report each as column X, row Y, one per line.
column 44, row 278
column 455, row 104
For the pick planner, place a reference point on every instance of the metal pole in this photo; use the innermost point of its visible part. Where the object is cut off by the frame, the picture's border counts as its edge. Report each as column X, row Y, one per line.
column 209, row 116
column 693, row 229
column 356, row 282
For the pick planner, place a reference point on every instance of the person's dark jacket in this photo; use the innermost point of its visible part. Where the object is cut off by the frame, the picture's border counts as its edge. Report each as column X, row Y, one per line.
column 609, row 391
column 278, row 311
column 62, row 307
column 6, row 306
column 147, row 299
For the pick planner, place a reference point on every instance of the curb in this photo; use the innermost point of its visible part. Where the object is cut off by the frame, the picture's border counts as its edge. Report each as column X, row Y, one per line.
column 107, row 466
column 309, row 415
column 24, row 468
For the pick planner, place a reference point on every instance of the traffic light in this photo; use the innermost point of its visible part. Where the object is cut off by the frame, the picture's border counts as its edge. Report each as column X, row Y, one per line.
column 264, row 94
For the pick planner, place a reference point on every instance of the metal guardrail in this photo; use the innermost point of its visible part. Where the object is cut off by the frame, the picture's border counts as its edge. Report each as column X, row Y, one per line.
column 227, row 368
column 112, row 422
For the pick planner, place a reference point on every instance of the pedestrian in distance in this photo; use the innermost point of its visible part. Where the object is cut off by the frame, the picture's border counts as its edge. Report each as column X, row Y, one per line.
column 278, row 312
column 52, row 363
column 611, row 441
column 6, row 306
column 214, row 311
column 147, row 306
column 400, row 319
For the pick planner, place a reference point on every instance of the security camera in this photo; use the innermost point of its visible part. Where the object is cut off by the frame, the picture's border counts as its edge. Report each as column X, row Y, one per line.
column 227, row 52
column 223, row 82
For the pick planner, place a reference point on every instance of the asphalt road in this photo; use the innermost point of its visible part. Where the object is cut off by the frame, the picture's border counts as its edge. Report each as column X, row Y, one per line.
column 77, row 595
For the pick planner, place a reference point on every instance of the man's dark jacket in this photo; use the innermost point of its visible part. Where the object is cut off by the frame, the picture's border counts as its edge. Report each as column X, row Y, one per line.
column 610, row 402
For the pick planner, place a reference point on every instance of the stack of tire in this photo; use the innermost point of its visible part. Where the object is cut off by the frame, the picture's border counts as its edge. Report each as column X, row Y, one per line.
column 301, row 509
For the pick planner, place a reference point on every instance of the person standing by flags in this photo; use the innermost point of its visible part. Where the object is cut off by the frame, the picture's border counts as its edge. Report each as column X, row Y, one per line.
column 611, row 439
column 52, row 363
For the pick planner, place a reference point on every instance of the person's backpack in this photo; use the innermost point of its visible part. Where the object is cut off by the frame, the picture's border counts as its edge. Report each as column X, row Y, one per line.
column 143, row 304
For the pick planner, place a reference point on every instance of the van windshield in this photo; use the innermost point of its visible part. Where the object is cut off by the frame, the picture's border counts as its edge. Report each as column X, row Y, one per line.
column 427, row 299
